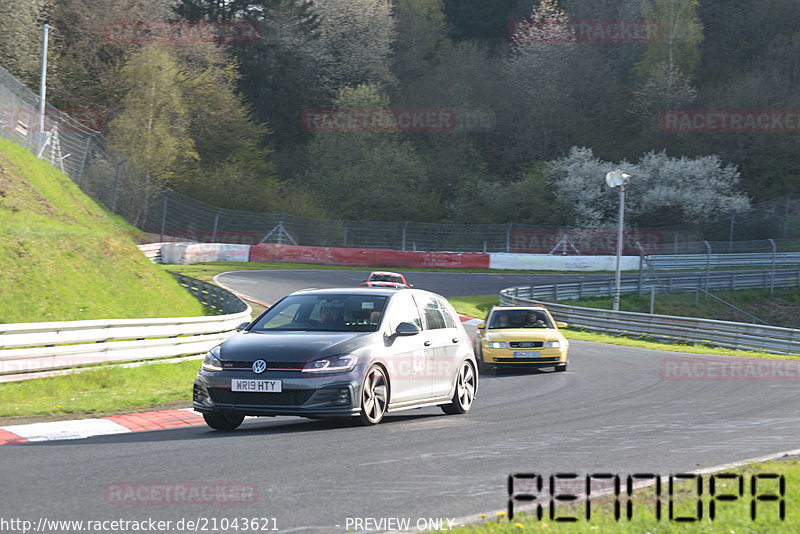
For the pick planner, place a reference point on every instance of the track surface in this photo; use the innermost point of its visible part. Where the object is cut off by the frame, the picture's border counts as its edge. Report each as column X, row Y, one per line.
column 613, row 411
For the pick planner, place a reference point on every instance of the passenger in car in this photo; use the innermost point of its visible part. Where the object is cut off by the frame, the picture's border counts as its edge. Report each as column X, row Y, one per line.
column 502, row 321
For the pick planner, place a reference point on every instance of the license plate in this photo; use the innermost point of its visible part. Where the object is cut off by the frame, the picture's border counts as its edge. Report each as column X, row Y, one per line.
column 526, row 354
column 256, row 386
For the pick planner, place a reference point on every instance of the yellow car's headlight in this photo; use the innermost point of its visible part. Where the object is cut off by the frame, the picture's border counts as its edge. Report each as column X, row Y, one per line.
column 553, row 344
column 496, row 344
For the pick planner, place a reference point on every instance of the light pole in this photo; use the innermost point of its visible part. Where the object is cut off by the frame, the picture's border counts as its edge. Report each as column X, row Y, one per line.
column 618, row 179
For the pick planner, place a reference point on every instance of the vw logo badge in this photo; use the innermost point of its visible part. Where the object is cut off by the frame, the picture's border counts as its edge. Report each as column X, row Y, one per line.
column 259, row 366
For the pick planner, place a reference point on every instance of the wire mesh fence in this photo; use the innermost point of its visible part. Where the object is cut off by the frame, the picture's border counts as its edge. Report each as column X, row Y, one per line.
column 72, row 143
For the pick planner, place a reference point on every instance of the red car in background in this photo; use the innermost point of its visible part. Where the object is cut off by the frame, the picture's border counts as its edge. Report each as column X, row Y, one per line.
column 385, row 279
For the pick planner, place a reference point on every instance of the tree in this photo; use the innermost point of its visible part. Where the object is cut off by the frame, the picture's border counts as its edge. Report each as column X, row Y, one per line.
column 665, row 89
column 479, row 20
column 152, row 125
column 662, row 190
column 284, row 71
column 356, row 39
column 683, row 33
column 21, row 37
column 421, row 36
column 369, row 175
column 88, row 62
column 539, row 65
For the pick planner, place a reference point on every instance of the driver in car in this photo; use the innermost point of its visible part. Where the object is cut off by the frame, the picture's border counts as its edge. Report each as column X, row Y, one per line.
column 329, row 316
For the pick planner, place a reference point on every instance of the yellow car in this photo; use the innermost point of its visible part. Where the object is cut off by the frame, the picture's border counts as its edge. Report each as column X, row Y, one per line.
column 520, row 337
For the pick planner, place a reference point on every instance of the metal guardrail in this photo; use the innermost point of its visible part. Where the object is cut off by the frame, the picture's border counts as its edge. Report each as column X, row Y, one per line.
column 730, row 281
column 720, row 333
column 30, row 348
column 674, row 262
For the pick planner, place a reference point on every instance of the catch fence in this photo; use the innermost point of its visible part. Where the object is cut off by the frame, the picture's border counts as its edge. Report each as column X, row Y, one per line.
column 73, row 143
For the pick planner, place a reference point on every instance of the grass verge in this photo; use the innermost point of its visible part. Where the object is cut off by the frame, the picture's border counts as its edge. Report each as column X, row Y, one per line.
column 100, row 389
column 733, row 501
column 780, row 309
column 64, row 257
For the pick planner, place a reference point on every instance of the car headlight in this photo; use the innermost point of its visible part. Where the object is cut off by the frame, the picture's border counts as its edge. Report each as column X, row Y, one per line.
column 553, row 345
column 496, row 344
column 211, row 361
column 344, row 362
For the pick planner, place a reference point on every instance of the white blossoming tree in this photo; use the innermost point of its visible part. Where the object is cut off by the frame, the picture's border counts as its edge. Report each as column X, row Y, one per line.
column 662, row 190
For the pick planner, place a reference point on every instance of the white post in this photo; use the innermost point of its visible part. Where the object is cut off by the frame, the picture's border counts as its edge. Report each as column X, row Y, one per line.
column 619, row 246
column 43, row 88
column 619, row 179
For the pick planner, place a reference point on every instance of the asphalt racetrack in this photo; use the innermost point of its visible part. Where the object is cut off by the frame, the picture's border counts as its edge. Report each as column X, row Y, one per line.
column 616, row 410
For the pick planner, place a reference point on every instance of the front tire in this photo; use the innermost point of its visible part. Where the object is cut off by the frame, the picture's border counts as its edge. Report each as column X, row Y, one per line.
column 220, row 421
column 466, row 383
column 483, row 367
column 374, row 396
column 561, row 368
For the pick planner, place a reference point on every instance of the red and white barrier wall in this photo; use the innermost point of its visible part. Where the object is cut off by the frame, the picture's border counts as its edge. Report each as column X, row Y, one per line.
column 188, row 253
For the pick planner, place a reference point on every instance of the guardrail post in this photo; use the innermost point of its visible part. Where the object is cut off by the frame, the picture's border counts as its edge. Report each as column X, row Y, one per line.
column 772, row 267
column 403, row 247
column 730, row 236
column 652, row 299
column 508, row 237
column 708, row 262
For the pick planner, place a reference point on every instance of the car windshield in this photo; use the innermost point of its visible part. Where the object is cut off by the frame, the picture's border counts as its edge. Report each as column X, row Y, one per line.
column 386, row 278
column 324, row 313
column 520, row 319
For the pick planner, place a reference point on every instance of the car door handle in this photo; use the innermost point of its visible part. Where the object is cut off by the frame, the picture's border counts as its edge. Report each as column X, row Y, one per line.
column 427, row 343
column 455, row 340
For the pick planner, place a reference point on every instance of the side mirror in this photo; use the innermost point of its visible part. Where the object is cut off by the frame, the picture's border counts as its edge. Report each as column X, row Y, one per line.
column 407, row 329
column 481, row 326
column 561, row 325
column 241, row 327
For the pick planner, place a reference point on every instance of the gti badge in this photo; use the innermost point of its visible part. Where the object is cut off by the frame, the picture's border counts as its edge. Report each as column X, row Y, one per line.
column 259, row 366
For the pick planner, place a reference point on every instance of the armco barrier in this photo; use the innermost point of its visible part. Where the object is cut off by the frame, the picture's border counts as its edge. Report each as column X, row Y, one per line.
column 30, row 348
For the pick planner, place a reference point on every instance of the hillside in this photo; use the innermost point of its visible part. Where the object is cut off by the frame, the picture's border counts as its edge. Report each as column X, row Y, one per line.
column 64, row 257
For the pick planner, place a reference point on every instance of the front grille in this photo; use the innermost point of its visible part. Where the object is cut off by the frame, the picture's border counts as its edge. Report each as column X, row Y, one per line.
column 526, row 344
column 239, row 365
column 526, row 360
column 284, row 398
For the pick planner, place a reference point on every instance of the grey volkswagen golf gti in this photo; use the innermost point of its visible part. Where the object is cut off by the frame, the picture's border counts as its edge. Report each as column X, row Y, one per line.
column 348, row 352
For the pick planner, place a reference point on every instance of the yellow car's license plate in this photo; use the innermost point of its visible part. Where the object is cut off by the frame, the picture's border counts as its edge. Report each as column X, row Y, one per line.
column 526, row 354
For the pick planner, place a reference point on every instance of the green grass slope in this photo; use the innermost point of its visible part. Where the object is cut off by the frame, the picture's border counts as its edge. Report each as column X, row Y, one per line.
column 63, row 257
